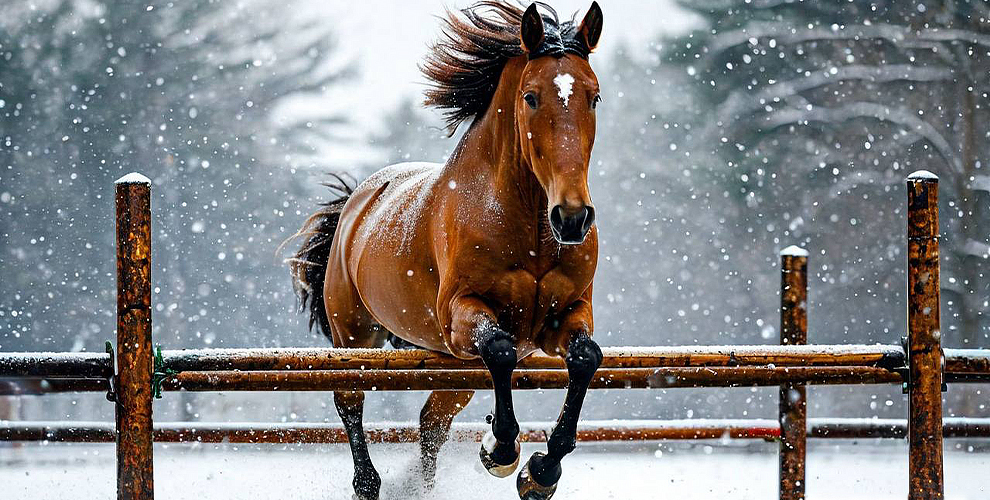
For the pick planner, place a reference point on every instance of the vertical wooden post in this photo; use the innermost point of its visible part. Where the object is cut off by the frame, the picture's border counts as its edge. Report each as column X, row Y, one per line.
column 793, row 412
column 924, row 340
column 134, row 351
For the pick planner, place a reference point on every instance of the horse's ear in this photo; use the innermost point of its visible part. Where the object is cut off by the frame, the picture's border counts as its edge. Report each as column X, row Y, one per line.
column 532, row 29
column 591, row 27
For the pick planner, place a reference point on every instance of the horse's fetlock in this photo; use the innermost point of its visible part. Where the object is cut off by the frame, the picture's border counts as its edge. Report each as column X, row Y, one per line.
column 505, row 432
column 561, row 445
column 546, row 472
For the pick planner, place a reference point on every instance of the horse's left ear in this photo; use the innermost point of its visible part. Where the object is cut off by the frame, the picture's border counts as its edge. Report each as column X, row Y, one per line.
column 591, row 27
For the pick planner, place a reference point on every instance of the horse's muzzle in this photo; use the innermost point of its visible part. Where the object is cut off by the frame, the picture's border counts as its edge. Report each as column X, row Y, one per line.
column 569, row 227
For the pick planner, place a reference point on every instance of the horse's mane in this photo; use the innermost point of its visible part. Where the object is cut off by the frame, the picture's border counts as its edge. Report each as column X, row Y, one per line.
column 465, row 65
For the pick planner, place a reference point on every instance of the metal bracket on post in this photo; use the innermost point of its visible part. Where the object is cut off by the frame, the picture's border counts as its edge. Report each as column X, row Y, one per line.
column 160, row 373
column 945, row 385
column 905, row 371
column 112, row 378
column 733, row 360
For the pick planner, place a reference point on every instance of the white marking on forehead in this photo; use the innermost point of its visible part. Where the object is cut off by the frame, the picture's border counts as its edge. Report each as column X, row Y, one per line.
column 565, row 87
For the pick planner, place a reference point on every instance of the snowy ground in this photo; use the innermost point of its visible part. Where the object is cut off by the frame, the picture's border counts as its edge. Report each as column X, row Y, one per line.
column 869, row 470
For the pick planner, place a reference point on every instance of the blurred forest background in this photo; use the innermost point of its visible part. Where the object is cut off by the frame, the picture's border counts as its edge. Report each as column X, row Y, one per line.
column 771, row 123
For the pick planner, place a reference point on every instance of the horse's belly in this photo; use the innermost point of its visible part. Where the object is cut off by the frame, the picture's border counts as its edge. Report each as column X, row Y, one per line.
column 400, row 293
column 391, row 258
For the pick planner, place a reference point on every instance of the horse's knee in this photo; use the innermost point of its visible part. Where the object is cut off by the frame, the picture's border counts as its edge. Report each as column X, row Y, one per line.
column 499, row 353
column 583, row 358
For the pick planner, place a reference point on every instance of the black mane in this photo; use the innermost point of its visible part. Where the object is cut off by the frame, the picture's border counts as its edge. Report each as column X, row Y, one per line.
column 465, row 65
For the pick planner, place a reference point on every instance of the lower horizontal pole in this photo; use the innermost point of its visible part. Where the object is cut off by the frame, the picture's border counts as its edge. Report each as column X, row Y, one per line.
column 589, row 431
column 31, row 386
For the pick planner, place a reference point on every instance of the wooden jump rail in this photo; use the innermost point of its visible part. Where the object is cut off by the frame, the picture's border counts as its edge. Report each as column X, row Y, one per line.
column 404, row 432
column 920, row 365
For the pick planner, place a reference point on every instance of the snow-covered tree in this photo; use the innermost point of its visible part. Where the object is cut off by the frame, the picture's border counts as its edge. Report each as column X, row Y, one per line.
column 817, row 111
column 186, row 93
column 821, row 109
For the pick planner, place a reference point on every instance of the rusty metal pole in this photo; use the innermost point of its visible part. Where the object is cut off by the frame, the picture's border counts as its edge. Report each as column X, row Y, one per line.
column 924, row 340
column 793, row 412
column 134, row 351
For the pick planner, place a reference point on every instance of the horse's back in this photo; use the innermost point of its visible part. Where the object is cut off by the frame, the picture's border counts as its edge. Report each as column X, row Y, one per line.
column 383, row 251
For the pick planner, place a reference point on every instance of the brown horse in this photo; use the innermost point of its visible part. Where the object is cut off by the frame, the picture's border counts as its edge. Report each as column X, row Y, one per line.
column 490, row 255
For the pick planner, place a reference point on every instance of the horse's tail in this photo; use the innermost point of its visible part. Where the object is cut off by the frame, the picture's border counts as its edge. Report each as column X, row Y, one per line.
column 308, row 266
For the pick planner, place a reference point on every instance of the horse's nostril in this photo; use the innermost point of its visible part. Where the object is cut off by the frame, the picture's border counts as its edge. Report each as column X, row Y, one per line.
column 556, row 219
column 589, row 218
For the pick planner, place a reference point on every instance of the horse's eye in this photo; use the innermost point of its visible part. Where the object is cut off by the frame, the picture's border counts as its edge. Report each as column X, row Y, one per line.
column 596, row 100
column 530, row 99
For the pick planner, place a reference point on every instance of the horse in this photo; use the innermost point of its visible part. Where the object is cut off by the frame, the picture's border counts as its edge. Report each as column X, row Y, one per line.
column 491, row 255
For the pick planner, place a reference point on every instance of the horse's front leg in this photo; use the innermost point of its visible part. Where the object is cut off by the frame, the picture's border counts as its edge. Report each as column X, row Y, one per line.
column 474, row 330
column 538, row 478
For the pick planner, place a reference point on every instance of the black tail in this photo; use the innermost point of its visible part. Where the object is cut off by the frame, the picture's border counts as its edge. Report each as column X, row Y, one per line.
column 308, row 266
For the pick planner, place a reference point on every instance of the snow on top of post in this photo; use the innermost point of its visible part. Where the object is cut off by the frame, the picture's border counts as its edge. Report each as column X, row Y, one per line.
column 794, row 251
column 133, row 178
column 922, row 175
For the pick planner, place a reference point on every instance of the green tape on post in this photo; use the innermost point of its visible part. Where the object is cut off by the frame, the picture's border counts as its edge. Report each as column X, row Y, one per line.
column 159, row 374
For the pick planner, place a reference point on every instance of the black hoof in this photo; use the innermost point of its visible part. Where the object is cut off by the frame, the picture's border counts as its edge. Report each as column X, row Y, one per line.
column 528, row 488
column 367, row 486
column 494, row 468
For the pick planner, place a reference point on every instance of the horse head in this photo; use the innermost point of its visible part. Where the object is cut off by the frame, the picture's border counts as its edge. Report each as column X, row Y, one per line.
column 555, row 118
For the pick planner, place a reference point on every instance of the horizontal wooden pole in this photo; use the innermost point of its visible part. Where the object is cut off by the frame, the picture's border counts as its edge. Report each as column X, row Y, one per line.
column 614, row 357
column 97, row 365
column 967, row 365
column 44, row 373
column 54, row 364
column 589, row 431
column 31, row 386
column 610, row 378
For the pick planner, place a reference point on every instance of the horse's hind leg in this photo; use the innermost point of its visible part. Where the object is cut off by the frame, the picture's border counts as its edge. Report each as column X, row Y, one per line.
column 434, row 426
column 350, row 406
column 353, row 326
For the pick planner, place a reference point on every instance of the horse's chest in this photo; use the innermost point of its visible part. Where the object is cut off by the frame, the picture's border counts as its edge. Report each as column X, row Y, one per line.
column 526, row 283
column 526, row 298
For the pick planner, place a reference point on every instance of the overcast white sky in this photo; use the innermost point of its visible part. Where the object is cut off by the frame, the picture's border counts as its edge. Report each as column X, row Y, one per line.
column 387, row 39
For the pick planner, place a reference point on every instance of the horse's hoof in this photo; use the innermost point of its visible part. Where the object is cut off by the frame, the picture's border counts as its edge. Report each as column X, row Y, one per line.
column 428, row 469
column 528, row 488
column 494, row 468
column 366, row 486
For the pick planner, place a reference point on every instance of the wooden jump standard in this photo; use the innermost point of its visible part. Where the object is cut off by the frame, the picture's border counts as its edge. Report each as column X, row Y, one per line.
column 791, row 365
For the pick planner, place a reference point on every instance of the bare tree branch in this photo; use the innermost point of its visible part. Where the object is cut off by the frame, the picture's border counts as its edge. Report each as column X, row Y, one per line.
column 741, row 103
column 900, row 116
